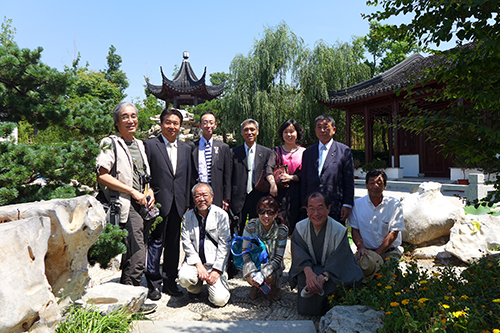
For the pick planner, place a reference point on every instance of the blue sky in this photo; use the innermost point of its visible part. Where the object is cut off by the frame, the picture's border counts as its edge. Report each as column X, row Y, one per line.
column 150, row 34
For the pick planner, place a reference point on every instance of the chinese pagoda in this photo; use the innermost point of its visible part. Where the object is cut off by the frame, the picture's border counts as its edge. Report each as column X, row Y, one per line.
column 185, row 88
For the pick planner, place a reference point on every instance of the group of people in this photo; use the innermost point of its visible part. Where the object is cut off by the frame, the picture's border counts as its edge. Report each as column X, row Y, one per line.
column 211, row 189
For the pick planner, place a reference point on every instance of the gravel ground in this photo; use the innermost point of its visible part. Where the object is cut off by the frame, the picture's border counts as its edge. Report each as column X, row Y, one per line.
column 239, row 308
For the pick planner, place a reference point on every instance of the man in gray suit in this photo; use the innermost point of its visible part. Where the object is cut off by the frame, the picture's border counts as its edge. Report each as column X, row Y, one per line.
column 205, row 240
column 170, row 163
column 249, row 160
column 327, row 168
column 212, row 161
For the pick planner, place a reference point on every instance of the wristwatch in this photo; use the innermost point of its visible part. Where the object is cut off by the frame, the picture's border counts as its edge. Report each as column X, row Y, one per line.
column 327, row 278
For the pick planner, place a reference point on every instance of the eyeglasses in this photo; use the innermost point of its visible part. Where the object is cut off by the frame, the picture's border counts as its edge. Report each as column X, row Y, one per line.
column 266, row 211
column 204, row 196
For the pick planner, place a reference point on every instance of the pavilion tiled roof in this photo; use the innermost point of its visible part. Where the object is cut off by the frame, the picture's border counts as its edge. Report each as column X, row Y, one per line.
column 399, row 76
column 185, row 83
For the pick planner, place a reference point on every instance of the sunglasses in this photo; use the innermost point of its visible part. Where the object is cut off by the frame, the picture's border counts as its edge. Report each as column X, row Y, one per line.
column 266, row 211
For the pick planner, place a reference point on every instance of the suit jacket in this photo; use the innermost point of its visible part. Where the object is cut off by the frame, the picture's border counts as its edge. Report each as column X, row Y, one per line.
column 217, row 225
column 221, row 170
column 164, row 183
column 240, row 173
column 337, row 176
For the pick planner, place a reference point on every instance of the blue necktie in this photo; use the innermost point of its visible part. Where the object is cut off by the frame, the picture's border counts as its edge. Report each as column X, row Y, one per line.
column 322, row 158
column 208, row 161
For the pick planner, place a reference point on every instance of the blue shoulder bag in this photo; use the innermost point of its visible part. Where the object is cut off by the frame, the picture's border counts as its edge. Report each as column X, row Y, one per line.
column 257, row 250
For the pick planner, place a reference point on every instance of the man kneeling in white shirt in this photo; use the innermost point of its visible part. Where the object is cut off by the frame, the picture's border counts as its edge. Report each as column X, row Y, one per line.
column 206, row 243
column 376, row 221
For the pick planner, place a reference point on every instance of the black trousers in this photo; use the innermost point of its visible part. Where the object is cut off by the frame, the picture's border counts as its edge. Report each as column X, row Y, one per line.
column 164, row 238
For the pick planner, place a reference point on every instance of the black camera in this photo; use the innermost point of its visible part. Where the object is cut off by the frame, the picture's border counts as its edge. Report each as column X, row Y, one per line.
column 145, row 178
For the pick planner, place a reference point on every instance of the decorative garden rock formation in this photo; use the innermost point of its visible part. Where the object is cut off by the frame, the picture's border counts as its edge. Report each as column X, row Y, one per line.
column 428, row 214
column 355, row 318
column 475, row 236
column 112, row 296
column 25, row 293
column 75, row 224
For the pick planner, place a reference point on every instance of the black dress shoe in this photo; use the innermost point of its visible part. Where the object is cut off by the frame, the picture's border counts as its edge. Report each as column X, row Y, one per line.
column 172, row 289
column 154, row 294
column 147, row 308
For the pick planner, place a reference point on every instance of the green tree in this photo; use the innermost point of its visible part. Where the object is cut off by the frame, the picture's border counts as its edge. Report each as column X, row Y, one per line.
column 113, row 72
column 281, row 78
column 60, row 115
column 469, row 74
column 385, row 51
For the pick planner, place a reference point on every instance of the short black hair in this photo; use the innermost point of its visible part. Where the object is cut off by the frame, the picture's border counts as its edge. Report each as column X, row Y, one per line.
column 317, row 195
column 324, row 117
column 295, row 124
column 376, row 173
column 208, row 112
column 168, row 112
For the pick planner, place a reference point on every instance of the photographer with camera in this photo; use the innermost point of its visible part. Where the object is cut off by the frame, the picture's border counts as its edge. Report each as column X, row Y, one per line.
column 122, row 167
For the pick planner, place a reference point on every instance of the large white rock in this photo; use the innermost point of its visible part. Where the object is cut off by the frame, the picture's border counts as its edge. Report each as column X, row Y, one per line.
column 473, row 237
column 112, row 296
column 428, row 214
column 354, row 318
column 75, row 224
column 25, row 293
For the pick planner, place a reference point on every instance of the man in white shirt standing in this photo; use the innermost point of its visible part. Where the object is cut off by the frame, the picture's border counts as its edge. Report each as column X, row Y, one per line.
column 376, row 220
column 212, row 161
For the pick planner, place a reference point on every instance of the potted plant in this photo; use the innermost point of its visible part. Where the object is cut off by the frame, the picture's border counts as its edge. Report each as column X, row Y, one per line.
column 463, row 164
column 377, row 164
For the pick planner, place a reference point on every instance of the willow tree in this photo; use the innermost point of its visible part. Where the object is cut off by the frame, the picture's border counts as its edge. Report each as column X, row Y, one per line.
column 328, row 67
column 262, row 85
column 281, row 78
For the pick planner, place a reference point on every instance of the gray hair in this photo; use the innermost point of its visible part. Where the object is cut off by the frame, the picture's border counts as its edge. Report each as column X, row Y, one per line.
column 119, row 108
column 202, row 183
column 249, row 120
column 325, row 117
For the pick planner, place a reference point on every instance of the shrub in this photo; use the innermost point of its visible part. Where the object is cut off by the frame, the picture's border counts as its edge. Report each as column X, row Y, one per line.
column 109, row 245
column 377, row 164
column 418, row 301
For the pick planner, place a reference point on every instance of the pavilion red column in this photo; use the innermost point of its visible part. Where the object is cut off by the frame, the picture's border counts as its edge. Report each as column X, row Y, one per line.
column 395, row 112
column 368, row 136
column 348, row 128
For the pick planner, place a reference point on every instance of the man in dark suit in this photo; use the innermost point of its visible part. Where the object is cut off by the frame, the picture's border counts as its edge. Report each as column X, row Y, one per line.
column 249, row 160
column 212, row 162
column 327, row 168
column 170, row 163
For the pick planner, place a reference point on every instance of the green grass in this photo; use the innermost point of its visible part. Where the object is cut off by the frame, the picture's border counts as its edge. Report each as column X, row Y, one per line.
column 80, row 319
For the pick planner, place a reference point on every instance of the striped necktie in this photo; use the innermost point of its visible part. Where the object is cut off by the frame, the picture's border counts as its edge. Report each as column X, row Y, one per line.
column 208, row 161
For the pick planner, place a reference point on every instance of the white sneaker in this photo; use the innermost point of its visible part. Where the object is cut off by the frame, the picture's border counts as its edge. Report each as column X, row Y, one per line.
column 306, row 293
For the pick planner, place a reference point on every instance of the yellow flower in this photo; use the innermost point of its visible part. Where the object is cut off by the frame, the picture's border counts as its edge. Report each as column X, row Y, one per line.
column 490, row 264
column 388, row 287
column 415, row 307
column 436, row 274
column 446, row 297
column 464, row 297
column 379, row 284
column 397, row 293
column 423, row 300
column 458, row 314
column 405, row 301
column 496, row 330
column 388, row 312
column 446, row 306
column 394, row 304
column 423, row 282
column 496, row 300
column 331, row 297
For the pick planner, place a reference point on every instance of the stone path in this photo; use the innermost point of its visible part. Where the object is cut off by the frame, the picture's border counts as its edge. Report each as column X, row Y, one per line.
column 239, row 308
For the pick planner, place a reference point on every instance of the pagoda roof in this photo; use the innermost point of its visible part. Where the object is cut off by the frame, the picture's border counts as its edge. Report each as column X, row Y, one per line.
column 400, row 76
column 185, row 86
